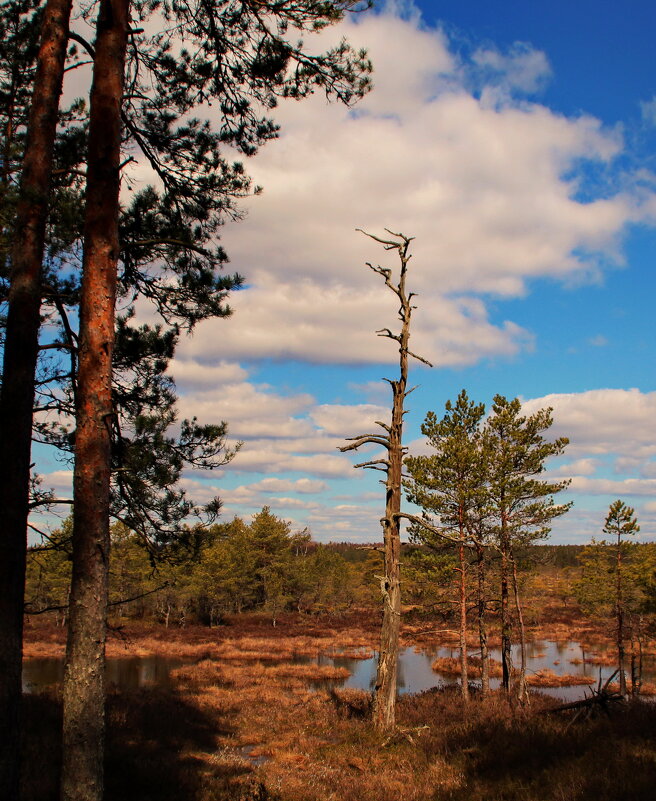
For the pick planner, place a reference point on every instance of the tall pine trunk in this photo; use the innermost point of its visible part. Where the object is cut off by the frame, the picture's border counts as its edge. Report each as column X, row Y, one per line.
column 482, row 626
column 619, row 616
column 462, row 589
column 522, row 691
column 84, row 686
column 20, row 355
column 506, row 653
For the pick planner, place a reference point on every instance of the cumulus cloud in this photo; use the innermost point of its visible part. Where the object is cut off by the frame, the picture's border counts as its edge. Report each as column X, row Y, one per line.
column 252, row 410
column 348, row 420
column 489, row 190
column 193, row 375
column 604, row 486
column 60, row 481
column 305, row 486
column 603, row 421
column 269, row 459
column 580, row 467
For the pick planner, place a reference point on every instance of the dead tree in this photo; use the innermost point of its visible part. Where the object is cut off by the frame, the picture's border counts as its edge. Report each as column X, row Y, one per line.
column 391, row 440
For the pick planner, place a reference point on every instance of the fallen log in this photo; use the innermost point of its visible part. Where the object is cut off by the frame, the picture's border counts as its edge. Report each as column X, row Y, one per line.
column 600, row 699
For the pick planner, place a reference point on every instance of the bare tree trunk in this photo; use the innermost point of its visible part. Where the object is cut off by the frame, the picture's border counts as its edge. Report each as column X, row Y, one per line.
column 522, row 692
column 384, row 713
column 462, row 567
column 84, row 688
column 385, row 691
column 20, row 355
column 482, row 628
column 384, row 710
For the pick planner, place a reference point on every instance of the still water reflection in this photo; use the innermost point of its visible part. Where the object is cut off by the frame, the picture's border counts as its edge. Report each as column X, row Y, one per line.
column 416, row 674
column 126, row 673
column 415, row 671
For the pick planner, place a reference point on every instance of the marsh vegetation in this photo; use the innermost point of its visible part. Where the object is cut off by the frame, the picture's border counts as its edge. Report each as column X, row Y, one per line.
column 251, row 712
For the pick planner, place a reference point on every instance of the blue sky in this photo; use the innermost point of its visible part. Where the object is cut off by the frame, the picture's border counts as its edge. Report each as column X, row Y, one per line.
column 515, row 141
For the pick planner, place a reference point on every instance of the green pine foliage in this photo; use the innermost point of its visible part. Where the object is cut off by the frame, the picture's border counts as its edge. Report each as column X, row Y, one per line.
column 234, row 567
column 522, row 501
column 596, row 588
column 200, row 78
column 449, row 484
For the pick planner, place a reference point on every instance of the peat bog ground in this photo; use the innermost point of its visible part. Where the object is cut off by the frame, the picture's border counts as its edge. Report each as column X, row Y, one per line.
column 243, row 721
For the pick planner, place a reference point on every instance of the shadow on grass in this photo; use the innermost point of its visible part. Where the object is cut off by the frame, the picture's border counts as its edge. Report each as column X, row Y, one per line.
column 160, row 747
column 533, row 756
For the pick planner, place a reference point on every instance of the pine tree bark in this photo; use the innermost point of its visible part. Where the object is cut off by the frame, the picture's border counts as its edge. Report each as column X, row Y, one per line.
column 522, row 691
column 464, row 673
column 20, row 356
column 506, row 652
column 619, row 616
column 84, row 686
column 482, row 627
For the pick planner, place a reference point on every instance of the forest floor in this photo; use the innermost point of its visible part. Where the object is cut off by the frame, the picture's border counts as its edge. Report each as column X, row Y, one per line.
column 244, row 722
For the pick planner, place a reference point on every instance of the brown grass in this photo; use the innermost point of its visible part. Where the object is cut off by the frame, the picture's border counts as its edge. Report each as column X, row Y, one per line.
column 547, row 678
column 243, row 724
column 450, row 666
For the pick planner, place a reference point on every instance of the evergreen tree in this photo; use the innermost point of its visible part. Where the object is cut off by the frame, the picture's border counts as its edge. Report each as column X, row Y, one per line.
column 18, row 27
column 596, row 590
column 620, row 523
column 521, row 502
column 242, row 58
column 48, row 575
column 450, row 485
column 255, row 59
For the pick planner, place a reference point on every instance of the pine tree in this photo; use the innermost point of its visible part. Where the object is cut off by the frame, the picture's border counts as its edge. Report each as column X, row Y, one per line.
column 620, row 523
column 22, row 324
column 237, row 59
column 450, row 485
column 522, row 503
column 241, row 57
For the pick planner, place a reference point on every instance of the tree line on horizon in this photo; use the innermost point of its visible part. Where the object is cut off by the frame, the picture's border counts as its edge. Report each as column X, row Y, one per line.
column 267, row 567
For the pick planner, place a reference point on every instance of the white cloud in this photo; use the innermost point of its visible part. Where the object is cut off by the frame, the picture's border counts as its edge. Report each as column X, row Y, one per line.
column 605, row 486
column 522, row 68
column 60, row 481
column 251, row 410
column 304, row 486
column 580, row 467
column 344, row 421
column 192, row 375
column 488, row 190
column 271, row 460
column 603, row 421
